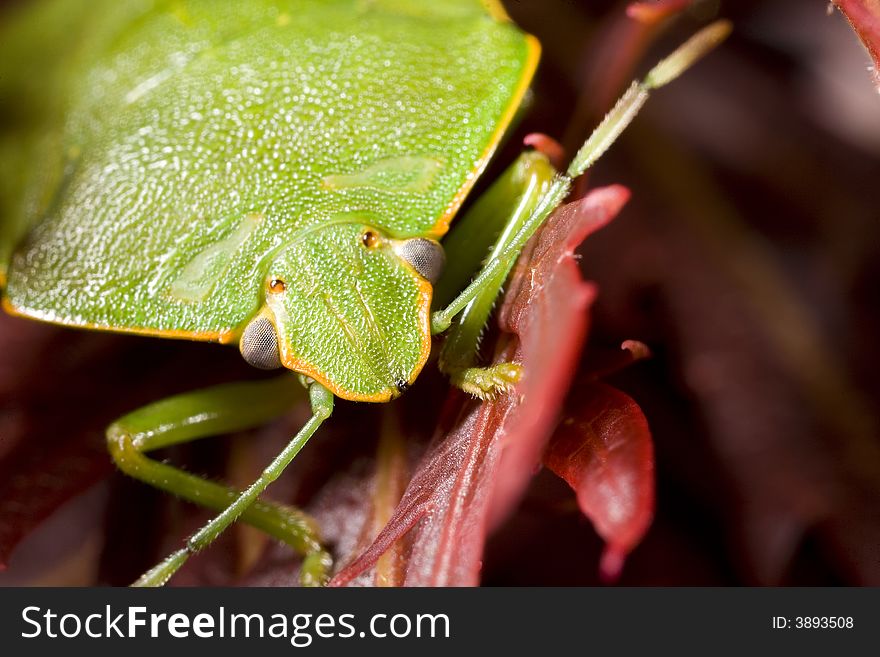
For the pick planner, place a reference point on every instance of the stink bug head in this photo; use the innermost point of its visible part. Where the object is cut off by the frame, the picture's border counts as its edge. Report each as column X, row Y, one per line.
column 352, row 277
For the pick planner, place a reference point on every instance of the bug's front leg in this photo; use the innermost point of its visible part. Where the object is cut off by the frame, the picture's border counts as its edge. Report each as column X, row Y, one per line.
column 475, row 301
column 496, row 216
column 213, row 411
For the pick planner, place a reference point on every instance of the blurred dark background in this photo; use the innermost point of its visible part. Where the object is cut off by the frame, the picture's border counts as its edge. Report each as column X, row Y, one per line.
column 747, row 260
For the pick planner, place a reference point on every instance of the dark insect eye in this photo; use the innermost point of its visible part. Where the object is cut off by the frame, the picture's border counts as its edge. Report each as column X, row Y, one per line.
column 424, row 255
column 277, row 286
column 259, row 345
column 369, row 239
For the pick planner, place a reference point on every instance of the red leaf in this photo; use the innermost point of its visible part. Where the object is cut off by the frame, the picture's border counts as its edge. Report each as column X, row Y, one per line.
column 548, row 146
column 546, row 307
column 603, row 449
column 864, row 16
column 473, row 475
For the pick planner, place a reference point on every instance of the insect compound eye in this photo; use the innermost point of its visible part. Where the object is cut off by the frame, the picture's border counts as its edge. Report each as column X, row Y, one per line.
column 259, row 345
column 277, row 286
column 424, row 255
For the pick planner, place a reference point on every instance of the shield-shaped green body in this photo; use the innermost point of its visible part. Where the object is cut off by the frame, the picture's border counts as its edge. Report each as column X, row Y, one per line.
column 188, row 166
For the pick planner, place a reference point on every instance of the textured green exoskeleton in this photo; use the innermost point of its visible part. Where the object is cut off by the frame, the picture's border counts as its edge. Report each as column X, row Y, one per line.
column 213, row 147
column 276, row 174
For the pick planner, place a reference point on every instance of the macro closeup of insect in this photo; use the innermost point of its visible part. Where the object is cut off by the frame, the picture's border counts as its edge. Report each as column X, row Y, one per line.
column 282, row 176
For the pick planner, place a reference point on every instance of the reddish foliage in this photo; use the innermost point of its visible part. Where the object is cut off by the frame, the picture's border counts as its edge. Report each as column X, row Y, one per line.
column 546, row 301
column 602, row 448
column 864, row 16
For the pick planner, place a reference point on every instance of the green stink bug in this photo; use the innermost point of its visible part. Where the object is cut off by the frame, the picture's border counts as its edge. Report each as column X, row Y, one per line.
column 276, row 175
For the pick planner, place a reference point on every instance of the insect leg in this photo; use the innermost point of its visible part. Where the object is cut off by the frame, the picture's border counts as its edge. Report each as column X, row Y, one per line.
column 202, row 413
column 497, row 215
column 614, row 123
